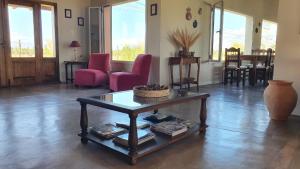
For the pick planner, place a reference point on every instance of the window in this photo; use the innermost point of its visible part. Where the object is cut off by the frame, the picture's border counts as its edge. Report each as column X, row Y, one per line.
column 268, row 35
column 128, row 30
column 21, row 35
column 48, row 31
column 234, row 31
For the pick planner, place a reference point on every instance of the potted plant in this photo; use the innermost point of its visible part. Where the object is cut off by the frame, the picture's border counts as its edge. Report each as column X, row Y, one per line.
column 185, row 40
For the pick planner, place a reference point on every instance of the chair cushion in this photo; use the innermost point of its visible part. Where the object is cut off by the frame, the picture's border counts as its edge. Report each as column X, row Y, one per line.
column 120, row 81
column 90, row 77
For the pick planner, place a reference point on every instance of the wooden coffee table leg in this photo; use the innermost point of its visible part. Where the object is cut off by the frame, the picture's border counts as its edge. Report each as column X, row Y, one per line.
column 133, row 139
column 203, row 116
column 83, row 123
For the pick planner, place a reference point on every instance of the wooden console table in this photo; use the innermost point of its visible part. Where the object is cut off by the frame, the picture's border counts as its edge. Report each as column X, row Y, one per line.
column 181, row 61
column 126, row 102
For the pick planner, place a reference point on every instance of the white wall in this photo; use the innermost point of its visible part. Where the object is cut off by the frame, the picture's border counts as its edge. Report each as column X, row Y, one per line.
column 287, row 60
column 68, row 30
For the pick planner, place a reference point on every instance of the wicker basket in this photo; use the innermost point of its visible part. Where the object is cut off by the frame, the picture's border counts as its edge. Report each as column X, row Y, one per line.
column 150, row 93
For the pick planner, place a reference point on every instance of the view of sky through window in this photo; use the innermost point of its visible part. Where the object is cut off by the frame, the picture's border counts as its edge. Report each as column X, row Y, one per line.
column 128, row 30
column 22, row 35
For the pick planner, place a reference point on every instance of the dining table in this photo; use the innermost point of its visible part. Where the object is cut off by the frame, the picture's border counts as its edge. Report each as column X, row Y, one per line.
column 255, row 60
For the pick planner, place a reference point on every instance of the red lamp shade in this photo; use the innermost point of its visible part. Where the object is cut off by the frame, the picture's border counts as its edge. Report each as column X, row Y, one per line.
column 75, row 44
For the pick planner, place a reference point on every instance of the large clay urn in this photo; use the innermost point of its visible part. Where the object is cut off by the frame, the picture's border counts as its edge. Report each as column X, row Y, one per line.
column 280, row 98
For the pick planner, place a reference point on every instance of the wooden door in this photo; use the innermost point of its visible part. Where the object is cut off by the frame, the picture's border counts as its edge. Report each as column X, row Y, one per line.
column 2, row 43
column 31, row 52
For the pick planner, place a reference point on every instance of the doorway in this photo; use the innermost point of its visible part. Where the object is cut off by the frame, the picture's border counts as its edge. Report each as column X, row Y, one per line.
column 31, row 48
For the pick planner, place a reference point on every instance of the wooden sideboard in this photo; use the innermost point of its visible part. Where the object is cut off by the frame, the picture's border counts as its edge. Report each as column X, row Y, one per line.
column 181, row 61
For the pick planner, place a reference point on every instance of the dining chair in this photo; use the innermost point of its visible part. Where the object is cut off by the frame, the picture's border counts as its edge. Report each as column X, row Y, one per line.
column 264, row 67
column 233, row 68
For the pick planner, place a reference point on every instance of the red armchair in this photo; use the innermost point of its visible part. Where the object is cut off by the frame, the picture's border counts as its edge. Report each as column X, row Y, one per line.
column 97, row 72
column 120, row 81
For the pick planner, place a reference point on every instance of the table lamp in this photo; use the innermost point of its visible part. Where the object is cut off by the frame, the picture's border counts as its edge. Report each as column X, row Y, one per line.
column 75, row 44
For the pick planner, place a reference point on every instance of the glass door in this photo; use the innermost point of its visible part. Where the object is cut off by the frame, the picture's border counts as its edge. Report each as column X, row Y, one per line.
column 22, row 38
column 96, row 30
column 32, row 49
column 216, row 34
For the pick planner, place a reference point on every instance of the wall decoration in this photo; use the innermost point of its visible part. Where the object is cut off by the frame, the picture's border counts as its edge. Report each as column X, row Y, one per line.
column 256, row 30
column 153, row 9
column 80, row 21
column 200, row 11
column 195, row 24
column 68, row 13
column 188, row 15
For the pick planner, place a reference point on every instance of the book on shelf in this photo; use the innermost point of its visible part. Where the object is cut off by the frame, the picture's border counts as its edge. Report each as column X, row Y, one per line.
column 107, row 130
column 126, row 124
column 159, row 117
column 170, row 128
column 143, row 137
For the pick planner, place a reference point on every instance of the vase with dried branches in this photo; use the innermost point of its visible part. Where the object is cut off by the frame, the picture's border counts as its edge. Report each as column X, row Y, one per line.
column 185, row 40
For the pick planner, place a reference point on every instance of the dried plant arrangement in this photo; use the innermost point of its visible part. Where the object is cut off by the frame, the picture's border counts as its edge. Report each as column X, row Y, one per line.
column 184, row 39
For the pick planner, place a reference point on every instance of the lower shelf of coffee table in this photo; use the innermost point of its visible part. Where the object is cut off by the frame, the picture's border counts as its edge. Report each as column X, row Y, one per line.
column 160, row 142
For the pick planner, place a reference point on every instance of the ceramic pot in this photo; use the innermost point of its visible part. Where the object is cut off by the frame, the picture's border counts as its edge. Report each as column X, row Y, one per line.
column 280, row 98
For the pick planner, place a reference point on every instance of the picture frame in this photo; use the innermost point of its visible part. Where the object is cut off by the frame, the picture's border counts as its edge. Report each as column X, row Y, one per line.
column 153, row 9
column 80, row 21
column 68, row 13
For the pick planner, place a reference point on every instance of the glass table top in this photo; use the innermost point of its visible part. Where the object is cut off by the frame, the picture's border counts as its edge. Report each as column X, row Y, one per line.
column 127, row 98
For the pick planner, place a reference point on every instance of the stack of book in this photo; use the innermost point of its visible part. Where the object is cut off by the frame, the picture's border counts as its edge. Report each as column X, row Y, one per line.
column 107, row 131
column 143, row 137
column 170, row 128
column 139, row 124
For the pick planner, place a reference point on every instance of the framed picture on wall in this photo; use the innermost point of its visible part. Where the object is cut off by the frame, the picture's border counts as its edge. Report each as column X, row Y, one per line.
column 68, row 13
column 153, row 9
column 80, row 21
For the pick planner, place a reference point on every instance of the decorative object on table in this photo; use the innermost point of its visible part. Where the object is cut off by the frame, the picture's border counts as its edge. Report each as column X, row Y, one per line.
column 188, row 14
column 143, row 136
column 280, row 98
column 120, row 81
column 107, row 131
column 149, row 100
column 195, row 24
column 68, row 13
column 75, row 44
column 170, row 128
column 97, row 72
column 80, row 21
column 151, row 91
column 153, row 9
column 182, row 92
column 139, row 124
column 185, row 40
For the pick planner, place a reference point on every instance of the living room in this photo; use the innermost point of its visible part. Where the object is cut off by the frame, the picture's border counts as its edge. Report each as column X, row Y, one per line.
column 244, row 117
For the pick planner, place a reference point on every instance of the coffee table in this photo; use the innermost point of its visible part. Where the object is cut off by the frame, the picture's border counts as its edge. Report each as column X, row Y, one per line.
column 126, row 102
